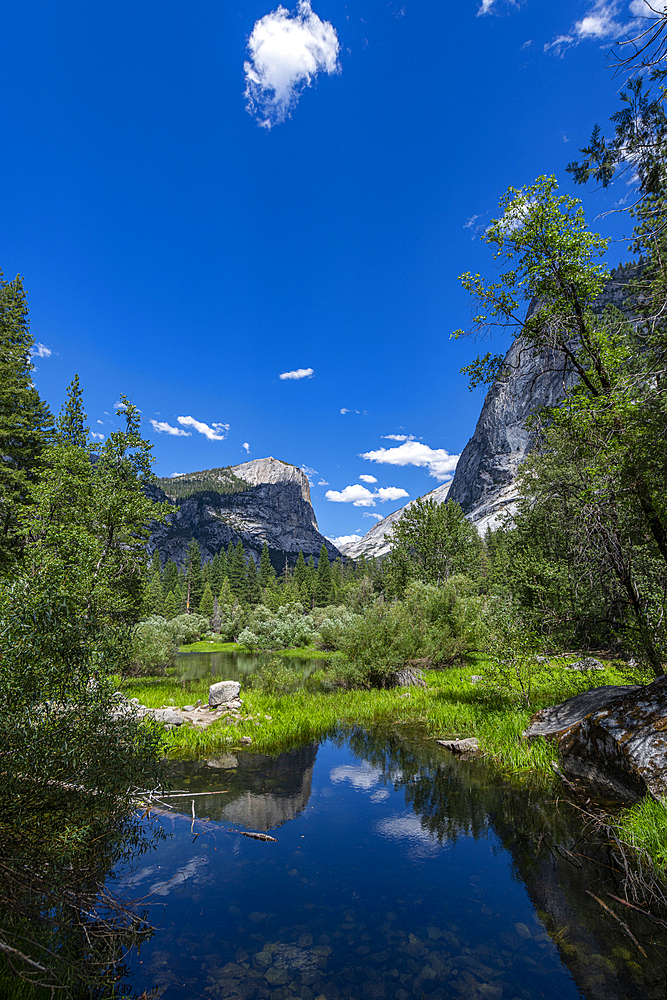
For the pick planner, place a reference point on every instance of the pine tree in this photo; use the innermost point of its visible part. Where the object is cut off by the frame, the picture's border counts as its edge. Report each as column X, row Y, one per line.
column 237, row 571
column 154, row 598
column 194, row 585
column 172, row 604
column 71, row 423
column 337, row 573
column 207, row 602
column 169, row 577
column 311, row 579
column 300, row 574
column 253, row 590
column 267, row 574
column 216, row 621
column 25, row 421
column 225, row 597
column 324, row 582
column 215, row 574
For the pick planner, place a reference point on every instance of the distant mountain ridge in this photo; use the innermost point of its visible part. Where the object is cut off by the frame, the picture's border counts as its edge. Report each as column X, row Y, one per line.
column 273, row 508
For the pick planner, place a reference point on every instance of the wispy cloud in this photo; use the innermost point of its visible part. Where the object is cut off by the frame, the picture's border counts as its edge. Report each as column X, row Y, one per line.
column 246, row 447
column 323, row 482
column 398, row 437
column 491, row 6
column 216, row 432
column 360, row 496
column 369, row 513
column 604, row 21
column 297, row 374
column 96, row 436
column 368, row 479
column 345, row 410
column 40, row 351
column 162, row 427
column 438, row 461
column 287, row 51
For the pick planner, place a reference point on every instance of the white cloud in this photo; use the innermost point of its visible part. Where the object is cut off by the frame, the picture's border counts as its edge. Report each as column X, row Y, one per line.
column 599, row 22
column 164, row 428
column 246, row 447
column 398, row 437
column 343, row 540
column 648, row 8
column 391, row 493
column 216, row 432
column 487, row 6
column 101, row 422
column 369, row 513
column 297, row 374
column 287, row 51
column 368, row 479
column 357, row 495
column 344, row 411
column 603, row 21
column 175, row 475
column 96, row 436
column 360, row 496
column 363, row 777
column 40, row 351
column 440, row 463
column 323, row 482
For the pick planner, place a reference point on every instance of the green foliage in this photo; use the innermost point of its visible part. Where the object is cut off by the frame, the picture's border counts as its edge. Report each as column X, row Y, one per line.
column 430, row 542
column 324, row 584
column 155, row 641
column 267, row 574
column 206, row 603
column 25, row 420
column 277, row 678
column 285, row 628
column 513, row 646
column 193, row 579
column 644, row 827
column 71, row 423
column 154, row 599
column 222, row 481
column 253, row 590
column 237, row 570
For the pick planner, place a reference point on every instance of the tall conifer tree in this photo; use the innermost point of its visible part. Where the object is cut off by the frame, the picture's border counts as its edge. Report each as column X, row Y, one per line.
column 324, row 583
column 267, row 574
column 237, row 571
column 71, row 425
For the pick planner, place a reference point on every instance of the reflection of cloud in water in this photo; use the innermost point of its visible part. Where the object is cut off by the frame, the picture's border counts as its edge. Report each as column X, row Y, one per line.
column 408, row 827
column 380, row 795
column 361, row 776
column 194, row 870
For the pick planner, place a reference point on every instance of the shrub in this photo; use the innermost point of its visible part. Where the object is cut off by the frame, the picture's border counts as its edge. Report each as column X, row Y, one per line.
column 188, row 628
column 153, row 645
column 277, row 678
column 288, row 626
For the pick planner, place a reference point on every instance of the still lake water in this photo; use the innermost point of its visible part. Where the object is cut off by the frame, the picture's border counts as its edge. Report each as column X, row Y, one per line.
column 235, row 666
column 398, row 873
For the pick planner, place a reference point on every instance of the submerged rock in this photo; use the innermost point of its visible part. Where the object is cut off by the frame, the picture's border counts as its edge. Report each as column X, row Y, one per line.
column 467, row 746
column 612, row 738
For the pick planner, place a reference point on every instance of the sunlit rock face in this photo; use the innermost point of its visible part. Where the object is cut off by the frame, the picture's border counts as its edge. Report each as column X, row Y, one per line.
column 275, row 509
column 376, row 542
column 484, row 483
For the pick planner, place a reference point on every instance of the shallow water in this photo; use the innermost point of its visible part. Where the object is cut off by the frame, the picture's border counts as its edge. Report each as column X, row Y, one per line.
column 398, row 872
column 236, row 666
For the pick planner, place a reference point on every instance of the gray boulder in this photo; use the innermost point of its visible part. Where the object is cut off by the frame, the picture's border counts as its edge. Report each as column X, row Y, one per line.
column 614, row 738
column 167, row 716
column 223, row 692
column 588, row 663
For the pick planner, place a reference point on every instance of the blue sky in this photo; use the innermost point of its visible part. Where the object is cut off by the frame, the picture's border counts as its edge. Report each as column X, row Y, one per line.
column 188, row 235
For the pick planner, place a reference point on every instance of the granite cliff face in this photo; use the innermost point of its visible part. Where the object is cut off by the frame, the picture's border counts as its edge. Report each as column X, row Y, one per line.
column 484, row 483
column 275, row 509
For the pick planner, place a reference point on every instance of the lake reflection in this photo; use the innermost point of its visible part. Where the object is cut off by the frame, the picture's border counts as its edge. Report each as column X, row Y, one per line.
column 236, row 666
column 398, row 872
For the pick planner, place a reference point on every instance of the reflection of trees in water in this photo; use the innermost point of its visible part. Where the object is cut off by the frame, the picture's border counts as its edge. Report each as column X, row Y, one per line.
column 258, row 791
column 554, row 857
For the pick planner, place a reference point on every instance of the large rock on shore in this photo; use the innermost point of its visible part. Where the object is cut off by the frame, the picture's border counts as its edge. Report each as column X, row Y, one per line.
column 612, row 738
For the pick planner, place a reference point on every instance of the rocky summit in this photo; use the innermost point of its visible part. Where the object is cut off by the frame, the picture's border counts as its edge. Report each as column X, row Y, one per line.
column 274, row 508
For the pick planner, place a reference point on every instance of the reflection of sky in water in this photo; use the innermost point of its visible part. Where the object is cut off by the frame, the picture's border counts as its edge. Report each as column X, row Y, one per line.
column 356, row 899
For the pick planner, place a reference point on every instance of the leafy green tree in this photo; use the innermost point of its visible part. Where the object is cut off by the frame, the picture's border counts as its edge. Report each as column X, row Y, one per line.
column 324, row 584
column 267, row 574
column 207, row 602
column 194, row 585
column 25, row 421
column 432, row 541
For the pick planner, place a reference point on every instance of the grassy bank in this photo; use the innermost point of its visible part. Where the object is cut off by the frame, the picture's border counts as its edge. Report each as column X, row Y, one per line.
column 451, row 705
column 301, row 652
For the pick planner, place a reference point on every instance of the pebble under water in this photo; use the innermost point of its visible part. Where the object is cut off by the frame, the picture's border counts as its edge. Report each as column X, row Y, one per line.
column 398, row 872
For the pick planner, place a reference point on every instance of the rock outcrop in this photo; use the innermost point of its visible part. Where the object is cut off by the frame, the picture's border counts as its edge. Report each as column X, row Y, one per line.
column 275, row 509
column 614, row 739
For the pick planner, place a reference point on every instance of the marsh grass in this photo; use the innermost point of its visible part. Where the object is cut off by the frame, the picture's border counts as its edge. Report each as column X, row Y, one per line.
column 451, row 706
column 644, row 827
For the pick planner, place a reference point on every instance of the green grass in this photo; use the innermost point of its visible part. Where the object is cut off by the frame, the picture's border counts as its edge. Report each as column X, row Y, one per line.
column 300, row 652
column 644, row 827
column 450, row 706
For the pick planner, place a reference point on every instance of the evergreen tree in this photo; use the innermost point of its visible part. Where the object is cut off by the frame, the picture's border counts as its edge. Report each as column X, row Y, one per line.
column 300, row 574
column 154, row 598
column 207, row 602
column 237, row 570
column 71, row 423
column 337, row 573
column 253, row 590
column 172, row 604
column 324, row 583
column 170, row 577
column 267, row 574
column 25, row 421
column 215, row 574
column 311, row 579
column 216, row 621
column 225, row 597
column 194, row 585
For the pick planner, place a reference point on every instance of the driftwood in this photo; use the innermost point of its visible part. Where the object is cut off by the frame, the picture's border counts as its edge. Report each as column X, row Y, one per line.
column 254, row 836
